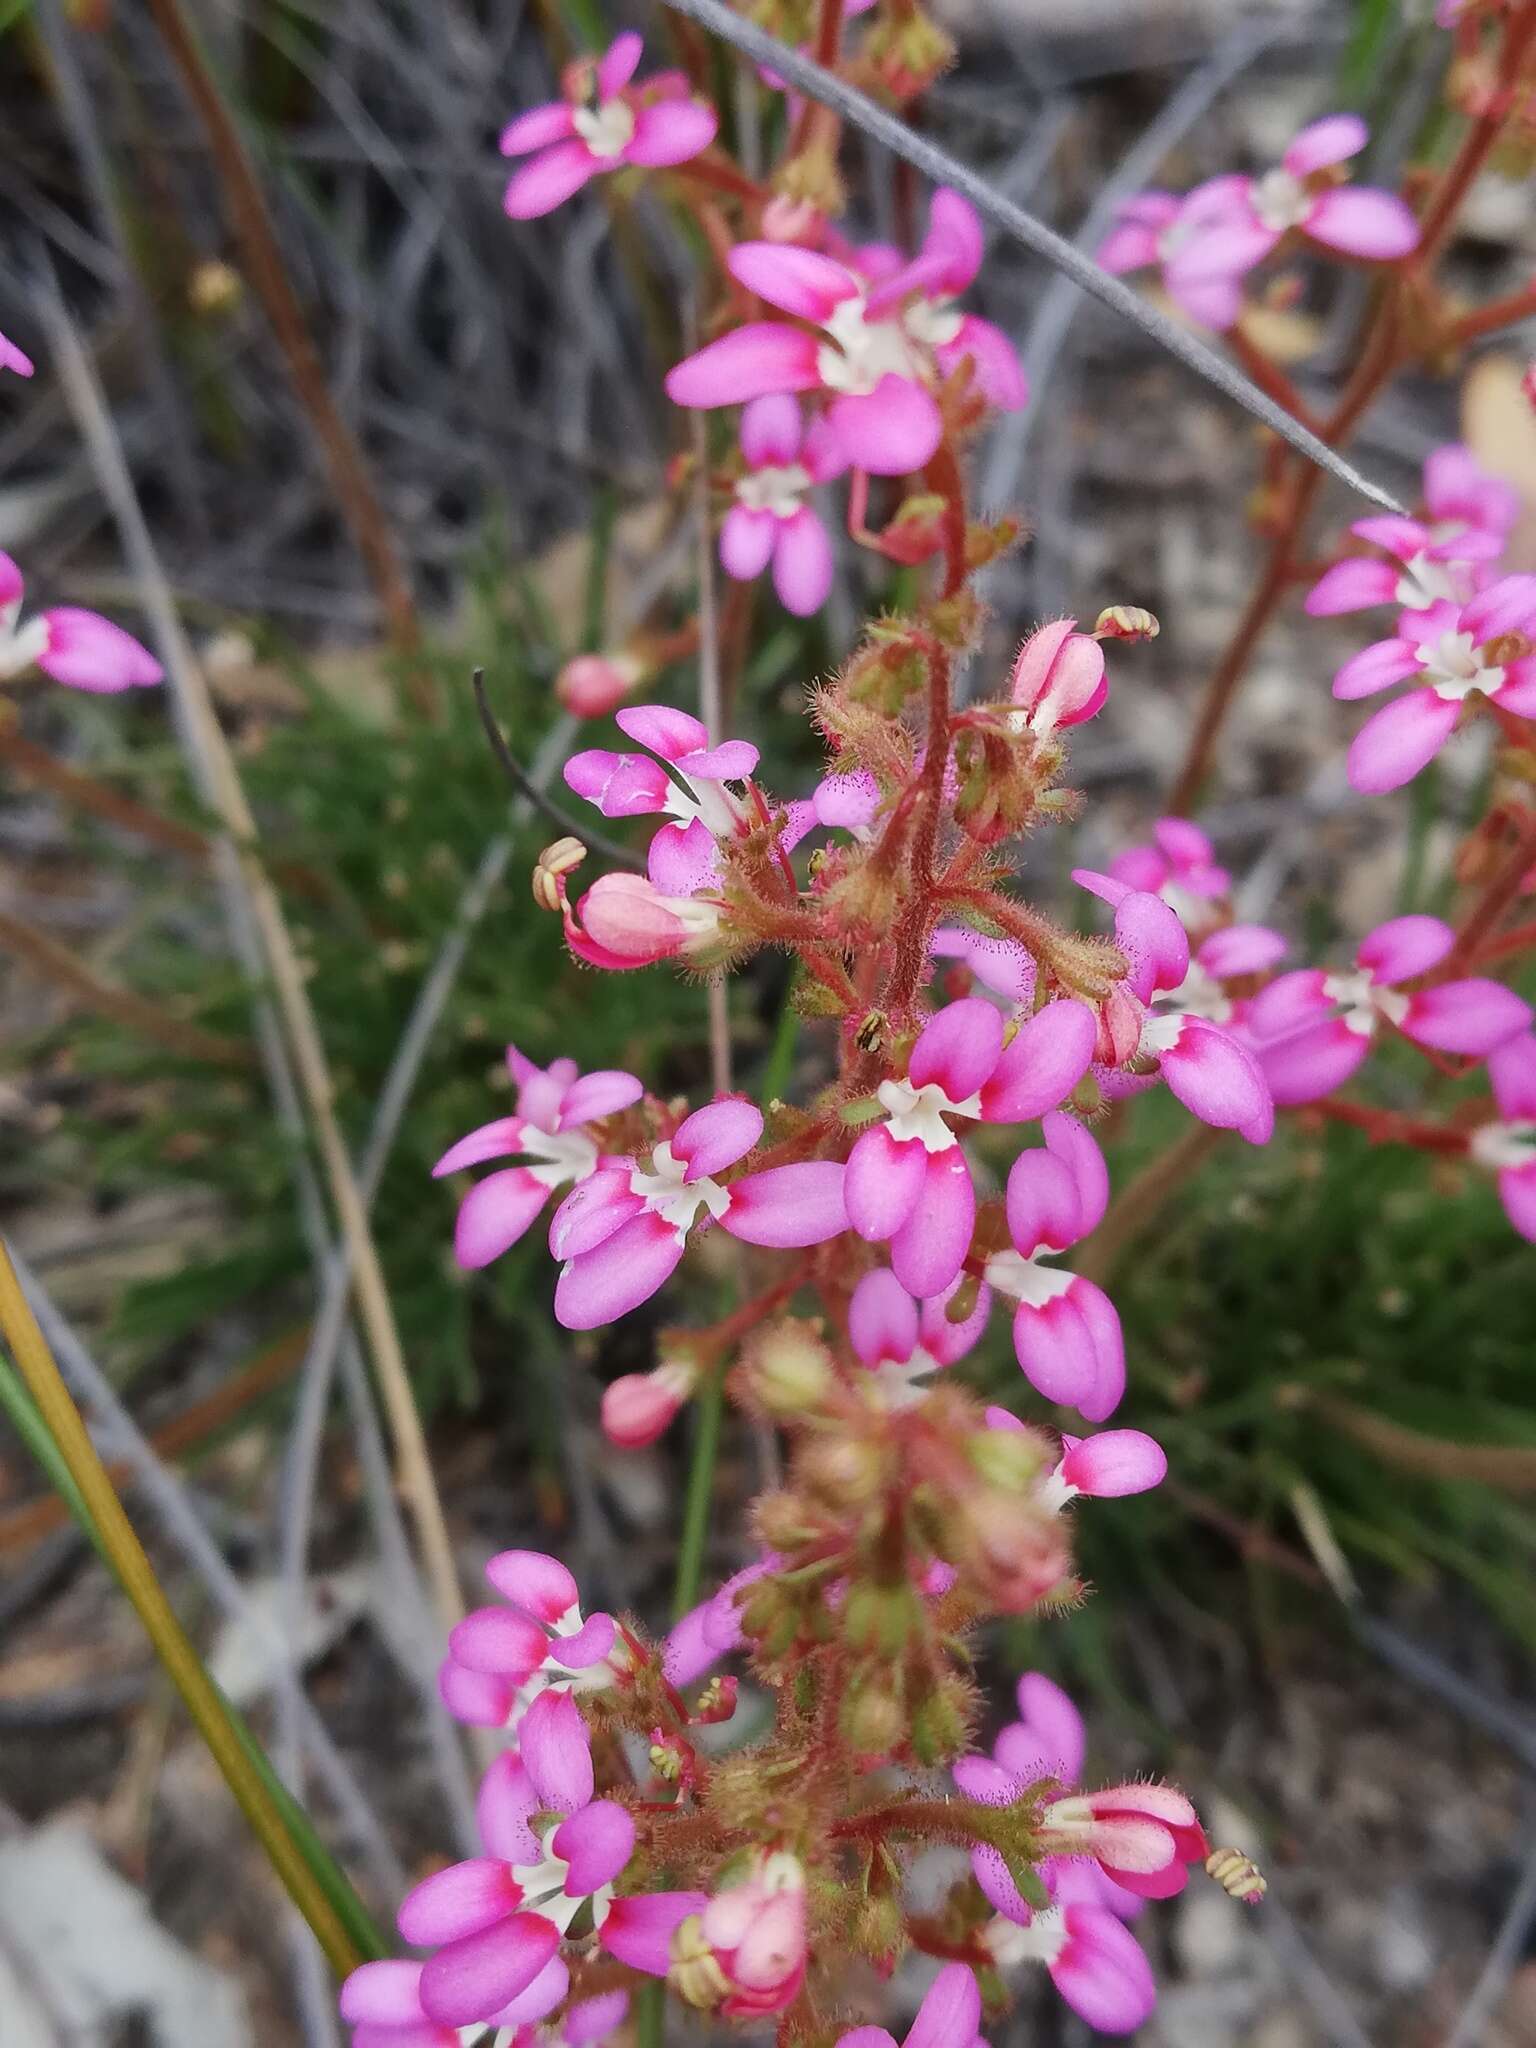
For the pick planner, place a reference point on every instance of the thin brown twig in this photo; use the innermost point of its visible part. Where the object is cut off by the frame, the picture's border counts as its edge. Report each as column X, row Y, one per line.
column 110, row 999
column 261, row 254
column 88, row 793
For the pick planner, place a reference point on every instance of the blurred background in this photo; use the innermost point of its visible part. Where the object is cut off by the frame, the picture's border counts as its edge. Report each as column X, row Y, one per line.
column 1324, row 1627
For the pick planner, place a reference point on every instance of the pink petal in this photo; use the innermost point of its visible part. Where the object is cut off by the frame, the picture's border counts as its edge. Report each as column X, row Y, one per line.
column 1056, row 1351
column 1352, row 586
column 866, row 2037
column 1517, row 1191
column 463, row 1899
column 597, row 1287
column 1044, row 1207
column 382, row 1994
column 591, row 2018
column 1153, row 940
column 1374, row 668
column 798, row 281
column 892, row 431
column 1508, row 606
column 1392, row 747
column 995, row 1881
column 1114, row 1463
column 495, row 1214
column 1053, row 1721
column 1077, row 1149
column 1390, row 530
column 670, row 132
column 883, row 1183
column 954, row 232
column 618, row 63
column 500, row 1642
column 504, row 1806
column 1041, row 1064
column 1404, row 947
column 1102, row 1973
column 594, row 1209
column 1289, row 1002
column 802, row 563
column 663, row 728
column 1001, row 965
column 539, row 1585
column 474, row 1697
column 850, row 801
column 1512, row 1076
column 1363, row 222
column 538, row 129
column 599, row 1094
column 731, row 761
column 1469, row 1017
column 821, row 453
column 491, row 1141
column 590, row 1644
column 688, row 1652
column 958, row 1048
column 1102, row 1322
column 789, row 1206
column 639, row 1930
column 556, row 1750
column 998, row 373
column 929, row 1249
column 1130, row 246
column 549, row 179
column 716, row 1136
column 1218, row 1080
column 471, row 1979
column 90, row 653
column 1241, row 949
column 1219, row 256
column 683, row 860
column 1333, row 140
column 597, row 1843
column 950, row 2013
column 540, row 1999
column 1313, row 1061
column 770, row 431
column 882, row 1319
column 13, row 358
column 943, row 1340
column 762, row 357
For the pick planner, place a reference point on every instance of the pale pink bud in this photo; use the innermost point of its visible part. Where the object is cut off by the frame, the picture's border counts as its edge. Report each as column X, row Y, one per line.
column 794, row 220
column 629, row 923
column 592, row 685
column 638, row 1407
column 1058, row 678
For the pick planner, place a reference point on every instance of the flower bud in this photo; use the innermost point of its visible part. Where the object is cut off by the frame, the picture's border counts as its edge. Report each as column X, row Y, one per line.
column 1058, row 679
column 592, row 685
column 1126, row 622
column 793, row 220
column 939, row 1726
column 845, row 1473
column 873, row 1719
column 638, row 1407
column 787, row 1370
column 881, row 1618
column 1007, row 1458
column 1121, row 1019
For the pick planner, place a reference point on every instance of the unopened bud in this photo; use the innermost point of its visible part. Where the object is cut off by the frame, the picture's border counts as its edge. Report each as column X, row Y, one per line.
column 873, row 1720
column 592, row 685
column 793, row 220
column 1121, row 1019
column 845, row 1473
column 1126, row 622
column 637, row 1408
column 938, row 1727
column 787, row 1370
column 1007, row 1458
column 881, row 1618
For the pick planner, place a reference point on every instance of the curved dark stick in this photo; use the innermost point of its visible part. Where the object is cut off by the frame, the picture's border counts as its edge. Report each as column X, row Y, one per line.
column 527, row 788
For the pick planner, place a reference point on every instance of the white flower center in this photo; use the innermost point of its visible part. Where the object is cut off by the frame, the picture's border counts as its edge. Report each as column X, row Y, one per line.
column 1161, row 1031
column 1454, row 667
column 1280, row 200
column 1054, row 1492
column 1424, row 583
column 1198, row 995
column 866, row 350
column 675, row 1200
column 933, row 322
column 561, row 1155
column 711, row 803
column 775, row 490
column 605, row 129
column 1025, row 1279
column 896, row 1379
column 20, row 646
column 1042, row 1941
column 1361, row 1000
column 1505, row 1148
column 543, row 1887
column 919, row 1113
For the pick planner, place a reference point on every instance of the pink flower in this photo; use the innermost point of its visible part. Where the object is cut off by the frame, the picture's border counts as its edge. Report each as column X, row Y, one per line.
column 625, row 921
column 1106, row 1466
column 1151, row 1019
column 555, row 1104
column 948, row 2017
column 1058, row 679
column 77, row 648
column 639, row 1406
column 1002, row 965
column 908, row 1180
column 885, row 341
column 602, row 122
column 639, row 1930
column 683, row 857
column 498, row 1655
column 1313, row 1029
column 712, row 1630
column 12, row 358
column 622, row 1231
column 1066, row 1333
column 902, row 1341
column 1487, row 644
column 754, row 1935
column 496, row 1922
column 592, row 685
column 1141, row 1836
column 1094, row 1961
column 1508, row 1147
column 770, row 520
column 1468, row 517
column 1180, row 866
column 382, row 2003
column 1209, row 241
